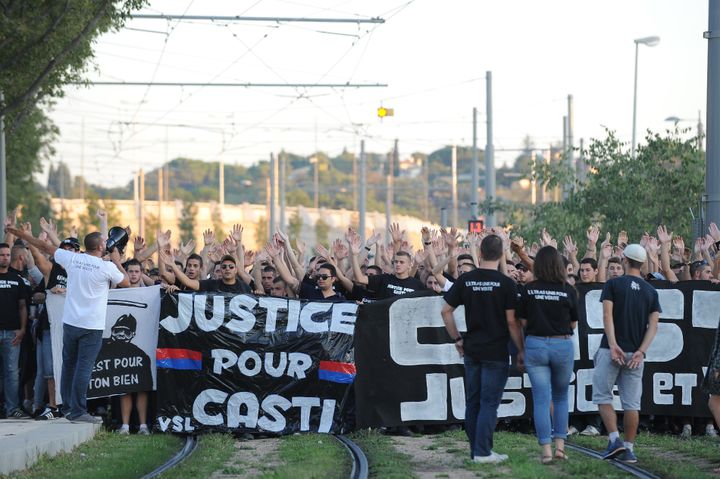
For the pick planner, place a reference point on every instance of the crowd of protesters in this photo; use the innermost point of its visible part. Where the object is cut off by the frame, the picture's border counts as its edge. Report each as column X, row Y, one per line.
column 522, row 276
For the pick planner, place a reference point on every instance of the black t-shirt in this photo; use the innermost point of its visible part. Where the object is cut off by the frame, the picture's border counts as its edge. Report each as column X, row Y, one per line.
column 486, row 294
column 12, row 289
column 633, row 301
column 57, row 276
column 239, row 287
column 383, row 286
column 548, row 307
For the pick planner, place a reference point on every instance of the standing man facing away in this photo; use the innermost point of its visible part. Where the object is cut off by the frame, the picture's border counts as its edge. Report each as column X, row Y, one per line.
column 631, row 311
column 489, row 298
column 89, row 280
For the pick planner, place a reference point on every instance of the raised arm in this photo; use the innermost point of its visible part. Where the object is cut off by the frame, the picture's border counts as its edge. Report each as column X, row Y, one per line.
column 179, row 275
column 274, row 250
column 605, row 253
column 353, row 240
column 46, row 248
column 665, row 239
column 102, row 214
column 593, row 233
column 571, row 252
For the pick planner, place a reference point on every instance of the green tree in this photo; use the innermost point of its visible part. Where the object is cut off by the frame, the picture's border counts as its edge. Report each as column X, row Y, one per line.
column 186, row 222
column 45, row 44
column 621, row 193
column 322, row 231
column 295, row 224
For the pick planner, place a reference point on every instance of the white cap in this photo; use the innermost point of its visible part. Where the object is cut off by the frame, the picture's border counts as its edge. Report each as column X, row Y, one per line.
column 635, row 252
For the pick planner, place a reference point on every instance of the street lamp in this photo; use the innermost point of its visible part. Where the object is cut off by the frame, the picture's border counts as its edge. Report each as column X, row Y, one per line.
column 314, row 160
column 700, row 129
column 650, row 42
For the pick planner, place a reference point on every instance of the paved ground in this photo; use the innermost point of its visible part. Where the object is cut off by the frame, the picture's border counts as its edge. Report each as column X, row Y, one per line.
column 23, row 441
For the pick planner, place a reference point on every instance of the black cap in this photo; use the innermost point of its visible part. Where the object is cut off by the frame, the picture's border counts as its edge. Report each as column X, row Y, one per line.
column 522, row 266
column 74, row 243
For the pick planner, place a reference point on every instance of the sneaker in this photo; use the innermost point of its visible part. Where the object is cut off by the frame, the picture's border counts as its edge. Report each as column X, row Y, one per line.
column 686, row 432
column 502, row 457
column 711, row 431
column 144, row 431
column 86, row 418
column 124, row 430
column 628, row 457
column 18, row 414
column 614, row 448
column 572, row 430
column 489, row 459
column 48, row 414
column 590, row 431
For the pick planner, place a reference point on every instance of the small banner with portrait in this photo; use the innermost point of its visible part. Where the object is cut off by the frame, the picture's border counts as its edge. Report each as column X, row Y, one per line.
column 126, row 361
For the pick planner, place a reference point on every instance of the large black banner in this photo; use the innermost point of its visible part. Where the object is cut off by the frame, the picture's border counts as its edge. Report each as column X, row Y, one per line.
column 249, row 364
column 410, row 373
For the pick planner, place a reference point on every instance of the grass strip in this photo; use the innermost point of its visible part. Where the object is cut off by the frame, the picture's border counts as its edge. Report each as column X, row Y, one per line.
column 668, row 456
column 308, row 456
column 108, row 455
column 524, row 458
column 212, row 452
column 383, row 459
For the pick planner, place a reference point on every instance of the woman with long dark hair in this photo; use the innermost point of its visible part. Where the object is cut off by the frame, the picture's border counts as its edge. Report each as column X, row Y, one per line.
column 548, row 309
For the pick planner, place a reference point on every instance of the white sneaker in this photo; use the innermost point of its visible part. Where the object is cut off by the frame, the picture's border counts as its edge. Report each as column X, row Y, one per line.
column 489, row 459
column 572, row 430
column 590, row 431
column 686, row 432
column 144, row 430
column 502, row 457
column 124, row 430
column 711, row 431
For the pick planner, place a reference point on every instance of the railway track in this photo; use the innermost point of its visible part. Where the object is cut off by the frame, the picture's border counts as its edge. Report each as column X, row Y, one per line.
column 629, row 468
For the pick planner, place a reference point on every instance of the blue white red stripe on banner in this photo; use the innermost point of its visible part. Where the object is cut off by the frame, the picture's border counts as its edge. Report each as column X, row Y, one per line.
column 337, row 372
column 171, row 358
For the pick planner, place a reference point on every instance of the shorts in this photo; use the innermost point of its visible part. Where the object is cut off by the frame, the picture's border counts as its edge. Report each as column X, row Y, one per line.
column 608, row 373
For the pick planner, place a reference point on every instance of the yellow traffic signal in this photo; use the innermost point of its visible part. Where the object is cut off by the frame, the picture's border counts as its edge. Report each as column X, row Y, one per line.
column 383, row 112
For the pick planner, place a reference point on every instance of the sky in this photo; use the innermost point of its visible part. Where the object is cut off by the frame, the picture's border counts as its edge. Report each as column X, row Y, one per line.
column 432, row 55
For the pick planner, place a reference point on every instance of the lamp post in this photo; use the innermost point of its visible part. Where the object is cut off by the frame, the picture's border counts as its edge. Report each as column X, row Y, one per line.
column 700, row 129
column 650, row 42
column 314, row 160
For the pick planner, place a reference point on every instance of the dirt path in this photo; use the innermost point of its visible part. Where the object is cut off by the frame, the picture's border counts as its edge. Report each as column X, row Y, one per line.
column 251, row 459
column 438, row 456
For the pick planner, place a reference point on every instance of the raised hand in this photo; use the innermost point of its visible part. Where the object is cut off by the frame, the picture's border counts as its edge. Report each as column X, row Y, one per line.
column 322, row 251
column 395, row 233
column 163, row 239
column 714, row 232
column 570, row 246
column 45, row 225
column 273, row 249
column 425, row 234
column 420, row 257
column 622, row 239
column 679, row 244
column 699, row 246
column 354, row 242
column 27, row 227
column 644, row 240
column 517, row 244
column 300, row 245
column 607, row 241
column 101, row 213
column 249, row 257
column 282, row 236
column 372, row 240
column 74, row 231
column 663, row 236
column 208, row 237
column 188, row 247
column 593, row 234
column 653, row 246
column 236, row 233
column 139, row 244
column 606, row 250
column 340, row 249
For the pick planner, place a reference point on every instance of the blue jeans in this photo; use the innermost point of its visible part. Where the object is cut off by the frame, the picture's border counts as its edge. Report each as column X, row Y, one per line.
column 549, row 363
column 44, row 361
column 80, row 349
column 484, row 387
column 10, row 356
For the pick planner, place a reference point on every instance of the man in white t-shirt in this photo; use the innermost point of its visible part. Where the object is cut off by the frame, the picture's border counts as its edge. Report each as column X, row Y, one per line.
column 88, row 281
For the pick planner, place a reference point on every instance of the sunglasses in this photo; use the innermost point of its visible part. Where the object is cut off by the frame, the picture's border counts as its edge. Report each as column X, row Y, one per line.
column 227, row 266
column 697, row 264
column 324, row 276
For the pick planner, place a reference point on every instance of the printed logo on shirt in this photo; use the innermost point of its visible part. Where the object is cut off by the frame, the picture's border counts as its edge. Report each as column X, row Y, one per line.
column 7, row 283
column 634, row 286
column 547, row 295
column 400, row 290
column 482, row 285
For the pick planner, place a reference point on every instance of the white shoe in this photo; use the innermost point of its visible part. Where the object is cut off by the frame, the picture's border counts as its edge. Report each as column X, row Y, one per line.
column 572, row 430
column 711, row 431
column 590, row 431
column 686, row 432
column 144, row 431
column 124, row 430
column 502, row 457
column 492, row 458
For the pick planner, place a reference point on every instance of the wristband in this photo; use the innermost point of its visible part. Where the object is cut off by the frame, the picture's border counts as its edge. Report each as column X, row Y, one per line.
column 717, row 244
column 458, row 339
column 367, row 248
column 428, row 243
column 643, row 353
